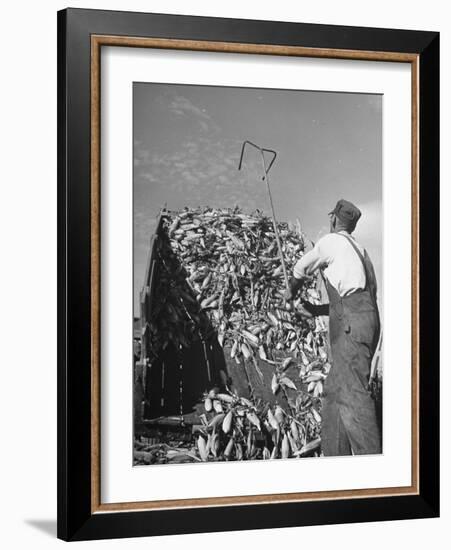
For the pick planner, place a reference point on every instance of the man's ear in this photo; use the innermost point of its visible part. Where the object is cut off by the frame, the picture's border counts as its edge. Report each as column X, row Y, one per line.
column 333, row 222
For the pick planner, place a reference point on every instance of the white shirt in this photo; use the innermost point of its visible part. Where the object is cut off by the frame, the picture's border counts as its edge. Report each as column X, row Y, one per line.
column 342, row 266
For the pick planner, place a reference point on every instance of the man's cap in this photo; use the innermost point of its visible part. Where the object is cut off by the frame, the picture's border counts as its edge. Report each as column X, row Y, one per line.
column 346, row 212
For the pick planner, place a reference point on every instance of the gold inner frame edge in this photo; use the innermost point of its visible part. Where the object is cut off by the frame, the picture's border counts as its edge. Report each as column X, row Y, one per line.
column 97, row 41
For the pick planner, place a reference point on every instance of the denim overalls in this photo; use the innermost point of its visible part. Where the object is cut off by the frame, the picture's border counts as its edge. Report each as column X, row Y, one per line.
column 348, row 411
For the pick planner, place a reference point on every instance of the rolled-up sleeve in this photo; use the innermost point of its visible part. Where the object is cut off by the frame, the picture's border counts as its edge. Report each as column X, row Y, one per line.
column 309, row 263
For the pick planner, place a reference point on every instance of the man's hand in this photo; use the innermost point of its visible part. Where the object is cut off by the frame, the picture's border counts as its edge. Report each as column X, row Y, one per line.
column 294, row 286
column 303, row 313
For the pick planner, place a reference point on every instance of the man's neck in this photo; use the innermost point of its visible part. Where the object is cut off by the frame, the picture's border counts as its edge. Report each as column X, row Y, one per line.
column 344, row 231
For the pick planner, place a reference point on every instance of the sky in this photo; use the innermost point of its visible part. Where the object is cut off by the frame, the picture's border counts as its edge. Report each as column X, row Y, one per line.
column 187, row 143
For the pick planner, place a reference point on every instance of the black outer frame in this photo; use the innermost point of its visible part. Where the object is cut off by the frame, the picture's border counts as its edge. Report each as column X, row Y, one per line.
column 75, row 520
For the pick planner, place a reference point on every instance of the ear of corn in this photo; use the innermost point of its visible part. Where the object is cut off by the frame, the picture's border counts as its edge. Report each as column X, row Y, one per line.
column 285, row 447
column 227, row 423
column 272, row 420
column 253, row 419
column 278, row 414
column 294, row 430
column 229, row 448
column 288, row 382
column 201, row 445
column 226, row 398
column 216, row 420
column 208, row 404
column 274, row 384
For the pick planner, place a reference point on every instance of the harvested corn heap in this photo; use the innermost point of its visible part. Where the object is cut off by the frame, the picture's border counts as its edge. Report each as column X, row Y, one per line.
column 221, row 277
column 230, row 262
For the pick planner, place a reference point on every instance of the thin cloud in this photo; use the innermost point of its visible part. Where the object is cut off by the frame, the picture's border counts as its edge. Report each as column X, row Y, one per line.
column 183, row 106
column 203, row 167
column 369, row 227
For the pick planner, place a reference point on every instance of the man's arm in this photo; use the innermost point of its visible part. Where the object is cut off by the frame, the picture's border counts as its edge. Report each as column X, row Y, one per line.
column 307, row 265
column 316, row 309
column 302, row 269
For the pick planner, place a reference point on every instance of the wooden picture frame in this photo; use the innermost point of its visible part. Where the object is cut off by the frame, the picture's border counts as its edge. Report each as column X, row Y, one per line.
column 81, row 35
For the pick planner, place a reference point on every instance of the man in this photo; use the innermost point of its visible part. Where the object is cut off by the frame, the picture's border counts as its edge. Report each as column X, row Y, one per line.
column 348, row 410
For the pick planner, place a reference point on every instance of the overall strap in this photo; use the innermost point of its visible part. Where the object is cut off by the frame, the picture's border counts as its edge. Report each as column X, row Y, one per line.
column 354, row 246
column 362, row 259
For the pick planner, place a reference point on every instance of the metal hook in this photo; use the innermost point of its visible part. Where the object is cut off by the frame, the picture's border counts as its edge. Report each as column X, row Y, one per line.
column 262, row 150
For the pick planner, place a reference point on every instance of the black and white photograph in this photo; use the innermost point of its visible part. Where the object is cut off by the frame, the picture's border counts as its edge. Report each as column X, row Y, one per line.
column 257, row 223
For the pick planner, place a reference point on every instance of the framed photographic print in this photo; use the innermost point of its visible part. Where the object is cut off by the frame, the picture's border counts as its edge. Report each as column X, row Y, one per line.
column 248, row 274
